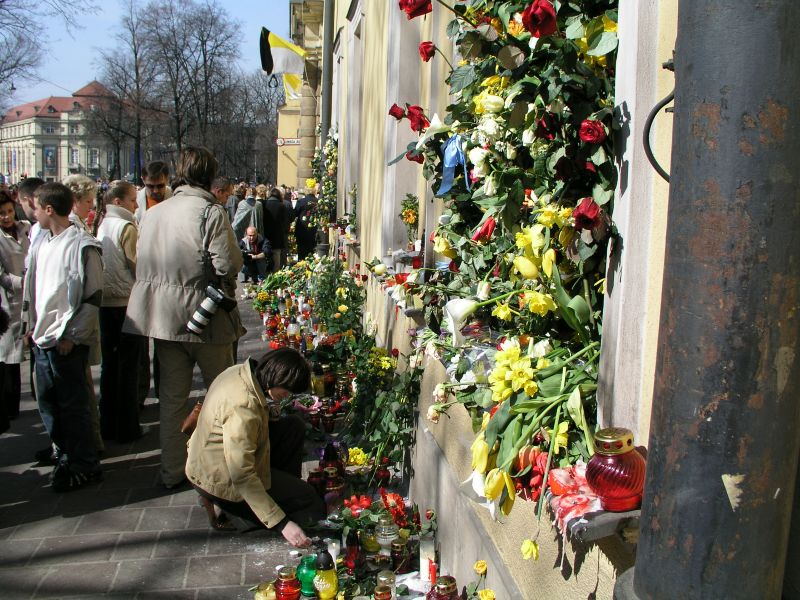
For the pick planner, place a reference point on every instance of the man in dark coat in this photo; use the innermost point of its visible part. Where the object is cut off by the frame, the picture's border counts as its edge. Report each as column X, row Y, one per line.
column 304, row 230
column 277, row 219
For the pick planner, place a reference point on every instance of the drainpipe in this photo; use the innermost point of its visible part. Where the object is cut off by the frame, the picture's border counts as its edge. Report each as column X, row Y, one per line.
column 327, row 71
column 723, row 456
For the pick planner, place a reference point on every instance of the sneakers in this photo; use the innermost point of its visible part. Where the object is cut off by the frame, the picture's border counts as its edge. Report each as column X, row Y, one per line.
column 65, row 479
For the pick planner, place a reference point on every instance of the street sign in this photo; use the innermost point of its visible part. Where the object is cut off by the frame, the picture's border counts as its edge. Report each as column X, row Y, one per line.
column 287, row 141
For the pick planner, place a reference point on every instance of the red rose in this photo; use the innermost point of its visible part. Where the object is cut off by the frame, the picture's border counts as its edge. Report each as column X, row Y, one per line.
column 587, row 214
column 485, row 231
column 592, row 132
column 427, row 50
column 415, row 8
column 395, row 352
column 540, row 18
column 417, row 118
column 453, row 267
column 397, row 112
column 417, row 158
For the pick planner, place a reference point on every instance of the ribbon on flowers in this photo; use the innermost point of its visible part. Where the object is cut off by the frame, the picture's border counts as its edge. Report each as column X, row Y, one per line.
column 453, row 155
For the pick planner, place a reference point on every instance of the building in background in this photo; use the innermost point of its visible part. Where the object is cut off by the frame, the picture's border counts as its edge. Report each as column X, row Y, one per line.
column 50, row 138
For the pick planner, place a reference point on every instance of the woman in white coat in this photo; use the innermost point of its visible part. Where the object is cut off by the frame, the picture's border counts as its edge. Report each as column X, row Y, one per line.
column 13, row 250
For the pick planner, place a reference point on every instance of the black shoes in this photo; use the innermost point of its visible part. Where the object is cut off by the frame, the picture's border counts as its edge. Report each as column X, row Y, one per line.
column 65, row 479
column 47, row 456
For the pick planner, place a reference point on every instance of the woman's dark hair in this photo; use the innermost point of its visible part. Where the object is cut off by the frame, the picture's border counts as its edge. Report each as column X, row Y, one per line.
column 196, row 167
column 5, row 197
column 276, row 193
column 285, row 368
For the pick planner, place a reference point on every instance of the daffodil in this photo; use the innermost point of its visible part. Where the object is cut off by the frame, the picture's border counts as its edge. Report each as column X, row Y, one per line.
column 531, row 239
column 509, row 352
column 480, row 567
column 521, row 373
column 539, row 303
column 542, row 363
column 531, row 387
column 547, row 215
column 562, row 437
column 341, row 292
column 530, row 550
column 502, row 312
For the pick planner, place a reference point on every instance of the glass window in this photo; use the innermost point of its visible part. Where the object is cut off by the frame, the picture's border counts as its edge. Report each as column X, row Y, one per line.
column 74, row 155
column 94, row 157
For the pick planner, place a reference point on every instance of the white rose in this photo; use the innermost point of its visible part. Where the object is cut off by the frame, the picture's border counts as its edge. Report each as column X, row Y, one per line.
column 489, row 126
column 439, row 393
column 541, row 348
column 511, row 152
column 490, row 186
column 433, row 415
column 528, row 137
column 478, row 156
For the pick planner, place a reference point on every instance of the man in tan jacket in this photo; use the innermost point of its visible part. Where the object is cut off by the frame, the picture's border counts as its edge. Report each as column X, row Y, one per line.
column 245, row 463
column 184, row 246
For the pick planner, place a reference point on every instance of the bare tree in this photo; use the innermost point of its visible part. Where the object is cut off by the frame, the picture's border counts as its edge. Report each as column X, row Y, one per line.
column 21, row 35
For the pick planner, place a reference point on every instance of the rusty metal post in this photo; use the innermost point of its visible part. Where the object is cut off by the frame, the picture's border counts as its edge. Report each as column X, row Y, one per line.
column 724, row 435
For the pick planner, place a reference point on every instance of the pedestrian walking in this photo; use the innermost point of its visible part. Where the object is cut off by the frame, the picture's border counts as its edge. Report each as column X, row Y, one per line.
column 276, row 227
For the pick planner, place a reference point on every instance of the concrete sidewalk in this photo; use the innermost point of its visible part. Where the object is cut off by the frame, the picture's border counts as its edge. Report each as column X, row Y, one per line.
column 126, row 537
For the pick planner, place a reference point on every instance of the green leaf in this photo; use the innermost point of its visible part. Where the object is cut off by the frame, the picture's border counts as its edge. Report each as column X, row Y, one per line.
column 471, row 45
column 575, row 28
column 497, row 423
column 511, row 57
column 453, row 27
column 402, row 155
column 602, row 195
column 483, row 398
column 487, row 32
column 580, row 308
column 602, row 44
column 462, row 77
column 599, row 155
column 518, row 113
column 578, row 416
column 509, row 438
column 505, row 12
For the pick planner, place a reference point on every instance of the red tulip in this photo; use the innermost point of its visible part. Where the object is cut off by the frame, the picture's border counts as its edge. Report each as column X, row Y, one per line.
column 485, row 231
column 587, row 214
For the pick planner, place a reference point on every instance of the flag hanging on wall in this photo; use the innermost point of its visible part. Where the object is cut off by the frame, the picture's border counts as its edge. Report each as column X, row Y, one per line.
column 280, row 56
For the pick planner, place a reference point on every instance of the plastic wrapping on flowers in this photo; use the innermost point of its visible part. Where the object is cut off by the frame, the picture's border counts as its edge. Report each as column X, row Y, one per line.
column 523, row 162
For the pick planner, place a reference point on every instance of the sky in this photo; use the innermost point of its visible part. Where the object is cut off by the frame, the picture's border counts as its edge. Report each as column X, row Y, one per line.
column 70, row 62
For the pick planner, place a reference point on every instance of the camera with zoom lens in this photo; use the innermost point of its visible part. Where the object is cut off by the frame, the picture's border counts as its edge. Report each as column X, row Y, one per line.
column 215, row 298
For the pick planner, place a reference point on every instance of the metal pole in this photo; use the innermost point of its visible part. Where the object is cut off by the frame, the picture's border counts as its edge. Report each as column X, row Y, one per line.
column 724, row 439
column 327, row 71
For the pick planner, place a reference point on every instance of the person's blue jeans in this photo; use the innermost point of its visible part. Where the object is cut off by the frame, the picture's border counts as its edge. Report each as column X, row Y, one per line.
column 64, row 405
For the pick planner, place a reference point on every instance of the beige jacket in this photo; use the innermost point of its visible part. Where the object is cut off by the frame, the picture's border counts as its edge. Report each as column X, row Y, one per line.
column 229, row 450
column 170, row 278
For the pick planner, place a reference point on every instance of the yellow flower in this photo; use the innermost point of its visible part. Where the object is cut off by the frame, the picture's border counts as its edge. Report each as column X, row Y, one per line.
column 486, row 594
column 539, row 303
column 521, row 374
column 547, row 215
column 356, row 456
column 496, row 481
column 562, row 437
column 600, row 284
column 509, row 352
column 515, row 28
column 531, row 239
column 341, row 292
column 531, row 388
column 608, row 24
column 565, row 236
column 563, row 216
column 442, row 246
column 548, row 260
column 342, row 308
column 526, row 267
column 530, row 550
column 480, row 454
column 502, row 312
column 480, row 567
column 542, row 363
column 487, row 103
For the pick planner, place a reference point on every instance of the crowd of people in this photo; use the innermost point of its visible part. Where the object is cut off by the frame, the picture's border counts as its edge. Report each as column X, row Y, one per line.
column 91, row 273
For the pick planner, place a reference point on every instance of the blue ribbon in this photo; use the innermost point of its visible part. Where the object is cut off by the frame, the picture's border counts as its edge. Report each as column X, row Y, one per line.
column 453, row 155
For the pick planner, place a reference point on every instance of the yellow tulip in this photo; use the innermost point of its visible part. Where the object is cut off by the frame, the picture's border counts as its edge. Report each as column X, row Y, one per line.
column 486, row 594
column 480, row 454
column 493, row 485
column 548, row 260
column 526, row 267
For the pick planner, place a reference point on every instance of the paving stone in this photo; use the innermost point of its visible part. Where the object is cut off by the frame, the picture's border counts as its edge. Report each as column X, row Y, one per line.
column 229, row 593
column 198, row 518
column 171, row 595
column 74, row 549
column 210, row 571
column 186, row 542
column 92, row 578
column 46, row 527
column 148, row 497
column 184, row 498
column 136, row 544
column 16, row 553
column 20, row 583
column 148, row 575
column 130, row 478
column 110, row 521
column 260, row 566
column 165, row 518
column 92, row 499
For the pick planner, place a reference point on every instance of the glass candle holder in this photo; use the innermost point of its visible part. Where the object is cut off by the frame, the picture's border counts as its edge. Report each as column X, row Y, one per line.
column 287, row 587
column 616, row 471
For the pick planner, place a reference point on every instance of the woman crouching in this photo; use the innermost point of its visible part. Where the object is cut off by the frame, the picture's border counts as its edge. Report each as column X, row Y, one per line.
column 230, row 463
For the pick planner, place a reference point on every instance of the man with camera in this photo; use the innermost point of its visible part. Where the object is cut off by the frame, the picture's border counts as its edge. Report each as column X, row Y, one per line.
column 183, row 298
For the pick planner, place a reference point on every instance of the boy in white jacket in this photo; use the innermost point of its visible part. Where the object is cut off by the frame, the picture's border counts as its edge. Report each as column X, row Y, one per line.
column 62, row 294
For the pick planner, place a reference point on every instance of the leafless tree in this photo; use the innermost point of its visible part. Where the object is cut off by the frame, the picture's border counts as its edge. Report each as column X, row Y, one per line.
column 22, row 36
